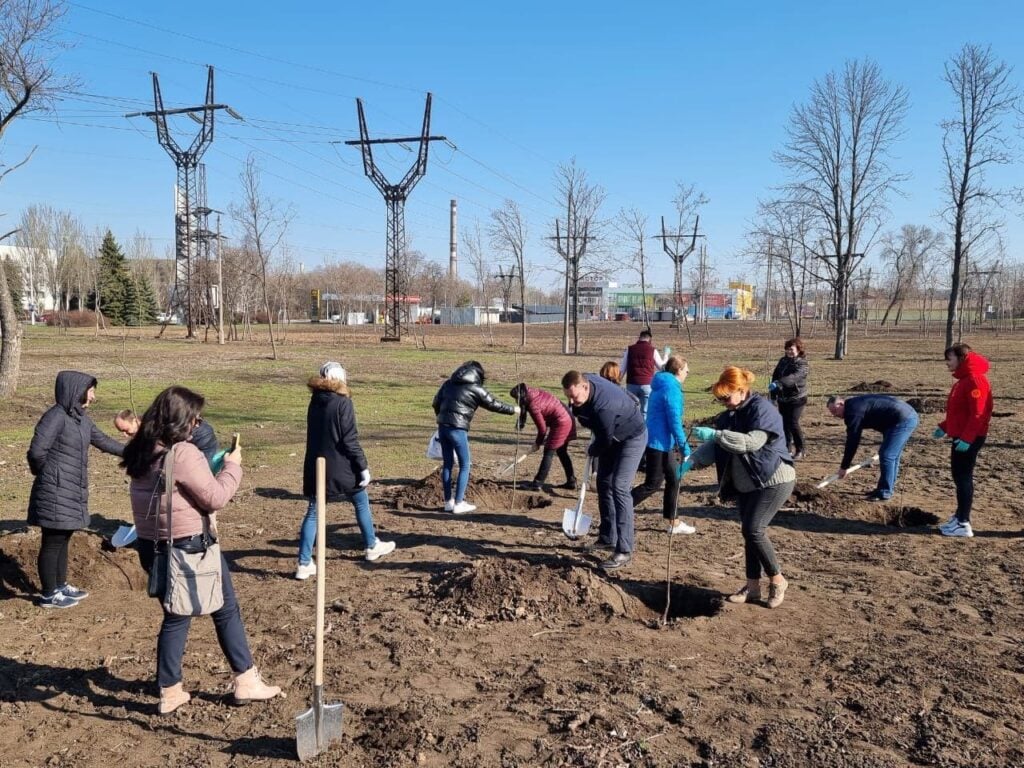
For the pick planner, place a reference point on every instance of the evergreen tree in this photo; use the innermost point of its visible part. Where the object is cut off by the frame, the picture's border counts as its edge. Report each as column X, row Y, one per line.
column 114, row 282
column 141, row 301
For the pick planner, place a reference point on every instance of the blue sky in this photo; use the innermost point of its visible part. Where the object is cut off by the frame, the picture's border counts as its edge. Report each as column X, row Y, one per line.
column 641, row 94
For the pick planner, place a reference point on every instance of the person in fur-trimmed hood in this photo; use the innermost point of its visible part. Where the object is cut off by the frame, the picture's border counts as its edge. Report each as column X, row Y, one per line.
column 968, row 413
column 331, row 432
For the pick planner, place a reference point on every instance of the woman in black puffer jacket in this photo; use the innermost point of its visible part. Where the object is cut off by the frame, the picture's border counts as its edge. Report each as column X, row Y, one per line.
column 788, row 389
column 455, row 404
column 59, row 458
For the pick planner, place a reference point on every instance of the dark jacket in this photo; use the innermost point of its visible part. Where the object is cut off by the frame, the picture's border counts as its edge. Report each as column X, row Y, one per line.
column 640, row 363
column 59, row 457
column 611, row 414
column 791, row 373
column 555, row 425
column 205, row 439
column 969, row 405
column 458, row 398
column 331, row 432
column 878, row 412
column 757, row 413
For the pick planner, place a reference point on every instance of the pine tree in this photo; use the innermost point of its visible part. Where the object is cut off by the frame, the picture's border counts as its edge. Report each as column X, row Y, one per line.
column 142, row 301
column 114, row 282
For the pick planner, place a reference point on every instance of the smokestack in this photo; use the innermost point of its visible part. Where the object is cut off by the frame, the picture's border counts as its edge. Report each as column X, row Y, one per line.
column 453, row 243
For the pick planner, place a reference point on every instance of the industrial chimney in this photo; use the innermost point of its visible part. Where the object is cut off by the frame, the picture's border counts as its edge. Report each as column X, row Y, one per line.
column 453, row 243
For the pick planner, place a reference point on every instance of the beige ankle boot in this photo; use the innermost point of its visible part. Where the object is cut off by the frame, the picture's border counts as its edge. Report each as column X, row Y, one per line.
column 777, row 593
column 249, row 686
column 171, row 698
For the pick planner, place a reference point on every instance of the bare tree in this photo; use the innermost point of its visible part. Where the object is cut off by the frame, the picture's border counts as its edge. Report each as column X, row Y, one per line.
column 904, row 255
column 972, row 141
column 837, row 155
column 28, row 83
column 780, row 240
column 507, row 232
column 577, row 240
column 473, row 247
column 631, row 224
column 263, row 223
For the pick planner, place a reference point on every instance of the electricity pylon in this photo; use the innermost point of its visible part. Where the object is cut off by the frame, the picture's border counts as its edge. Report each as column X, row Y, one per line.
column 395, row 195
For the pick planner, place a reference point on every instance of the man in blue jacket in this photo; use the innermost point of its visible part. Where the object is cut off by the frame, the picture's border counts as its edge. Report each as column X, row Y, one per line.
column 893, row 417
column 620, row 437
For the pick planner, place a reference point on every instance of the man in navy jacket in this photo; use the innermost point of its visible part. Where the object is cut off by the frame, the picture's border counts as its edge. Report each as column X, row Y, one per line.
column 893, row 417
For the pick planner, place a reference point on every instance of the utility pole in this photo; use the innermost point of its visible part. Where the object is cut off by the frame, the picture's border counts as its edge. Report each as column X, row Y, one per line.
column 678, row 257
column 220, row 285
column 187, row 195
column 507, row 279
column 768, row 286
column 453, row 242
column 395, row 195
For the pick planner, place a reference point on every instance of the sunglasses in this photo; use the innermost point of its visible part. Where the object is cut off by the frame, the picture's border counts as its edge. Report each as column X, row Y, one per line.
column 723, row 398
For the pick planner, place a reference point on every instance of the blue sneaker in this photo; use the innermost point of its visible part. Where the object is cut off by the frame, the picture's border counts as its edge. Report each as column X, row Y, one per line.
column 57, row 600
column 73, row 592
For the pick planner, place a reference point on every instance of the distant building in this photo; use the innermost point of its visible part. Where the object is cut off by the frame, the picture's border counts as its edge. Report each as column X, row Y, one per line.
column 34, row 291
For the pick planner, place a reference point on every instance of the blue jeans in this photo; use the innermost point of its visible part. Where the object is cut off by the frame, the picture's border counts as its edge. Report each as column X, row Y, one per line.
column 454, row 442
column 641, row 392
column 893, row 440
column 616, row 470
column 307, row 533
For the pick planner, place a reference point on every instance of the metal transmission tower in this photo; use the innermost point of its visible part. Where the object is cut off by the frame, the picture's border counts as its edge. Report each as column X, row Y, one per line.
column 395, row 195
column 678, row 257
column 190, row 212
column 507, row 280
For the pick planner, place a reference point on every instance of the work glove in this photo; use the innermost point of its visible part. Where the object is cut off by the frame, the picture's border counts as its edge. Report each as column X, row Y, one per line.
column 961, row 446
column 938, row 434
column 364, row 478
column 774, row 386
column 516, row 410
column 704, row 433
column 685, row 467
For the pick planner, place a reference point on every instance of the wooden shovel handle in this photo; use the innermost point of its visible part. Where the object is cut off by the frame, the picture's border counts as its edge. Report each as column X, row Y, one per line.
column 321, row 560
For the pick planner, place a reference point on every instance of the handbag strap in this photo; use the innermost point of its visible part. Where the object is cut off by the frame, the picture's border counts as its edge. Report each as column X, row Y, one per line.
column 169, row 493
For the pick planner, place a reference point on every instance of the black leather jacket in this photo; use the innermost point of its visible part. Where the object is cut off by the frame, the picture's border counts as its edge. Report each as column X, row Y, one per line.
column 459, row 397
column 791, row 373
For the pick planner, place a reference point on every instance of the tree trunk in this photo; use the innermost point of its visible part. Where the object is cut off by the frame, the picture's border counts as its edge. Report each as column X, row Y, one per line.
column 11, row 331
column 842, row 302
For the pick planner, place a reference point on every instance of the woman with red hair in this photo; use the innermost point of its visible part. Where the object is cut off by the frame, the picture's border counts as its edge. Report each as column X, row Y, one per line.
column 747, row 445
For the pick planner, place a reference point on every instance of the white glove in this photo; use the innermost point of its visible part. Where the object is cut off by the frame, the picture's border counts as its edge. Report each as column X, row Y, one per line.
column 364, row 478
column 516, row 410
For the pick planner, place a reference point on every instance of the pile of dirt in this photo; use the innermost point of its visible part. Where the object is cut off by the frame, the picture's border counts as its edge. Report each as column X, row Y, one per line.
column 92, row 563
column 927, row 404
column 822, row 501
column 514, row 590
column 875, row 386
column 428, row 493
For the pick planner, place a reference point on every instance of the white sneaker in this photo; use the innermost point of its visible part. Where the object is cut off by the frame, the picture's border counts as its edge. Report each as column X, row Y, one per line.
column 463, row 507
column 379, row 549
column 449, row 505
column 682, row 526
column 951, row 523
column 303, row 572
column 960, row 530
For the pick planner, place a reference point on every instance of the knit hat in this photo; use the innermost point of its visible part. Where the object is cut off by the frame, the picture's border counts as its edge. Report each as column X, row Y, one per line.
column 333, row 370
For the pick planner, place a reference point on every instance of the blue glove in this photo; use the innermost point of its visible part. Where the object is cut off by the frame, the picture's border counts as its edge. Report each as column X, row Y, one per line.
column 704, row 433
column 684, row 467
column 938, row 434
column 774, row 386
column 960, row 446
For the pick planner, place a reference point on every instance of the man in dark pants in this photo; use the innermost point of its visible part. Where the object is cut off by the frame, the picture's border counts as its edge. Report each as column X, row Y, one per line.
column 893, row 417
column 620, row 437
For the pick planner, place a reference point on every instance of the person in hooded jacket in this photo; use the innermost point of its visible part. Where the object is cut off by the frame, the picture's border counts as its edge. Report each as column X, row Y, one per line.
column 555, row 428
column 748, row 448
column 58, row 457
column 666, row 441
column 968, row 413
column 331, row 432
column 788, row 388
column 455, row 405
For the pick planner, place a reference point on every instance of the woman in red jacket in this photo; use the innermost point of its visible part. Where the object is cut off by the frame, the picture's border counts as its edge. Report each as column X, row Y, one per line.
column 968, row 412
column 555, row 428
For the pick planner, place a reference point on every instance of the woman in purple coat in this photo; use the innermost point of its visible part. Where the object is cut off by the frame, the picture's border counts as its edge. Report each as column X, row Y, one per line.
column 555, row 428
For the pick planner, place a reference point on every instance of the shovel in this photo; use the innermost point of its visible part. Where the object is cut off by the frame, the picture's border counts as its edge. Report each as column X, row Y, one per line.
column 574, row 522
column 832, row 478
column 505, row 470
column 320, row 725
column 124, row 536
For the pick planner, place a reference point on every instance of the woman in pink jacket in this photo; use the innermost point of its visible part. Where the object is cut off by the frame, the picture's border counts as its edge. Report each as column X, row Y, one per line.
column 196, row 494
column 555, row 428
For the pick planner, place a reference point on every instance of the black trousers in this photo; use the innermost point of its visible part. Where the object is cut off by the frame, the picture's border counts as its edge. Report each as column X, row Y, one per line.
column 757, row 508
column 791, row 413
column 53, row 559
column 545, row 464
column 962, row 466
column 662, row 467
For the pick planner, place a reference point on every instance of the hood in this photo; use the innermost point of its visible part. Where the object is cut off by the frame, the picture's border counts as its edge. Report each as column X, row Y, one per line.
column 972, row 365
column 70, row 388
column 468, row 373
column 663, row 380
column 323, row 384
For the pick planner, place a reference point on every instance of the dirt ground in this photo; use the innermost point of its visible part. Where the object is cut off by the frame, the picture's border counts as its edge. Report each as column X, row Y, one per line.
column 491, row 639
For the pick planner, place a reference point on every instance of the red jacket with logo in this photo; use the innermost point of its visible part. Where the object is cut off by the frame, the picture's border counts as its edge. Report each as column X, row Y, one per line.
column 969, row 406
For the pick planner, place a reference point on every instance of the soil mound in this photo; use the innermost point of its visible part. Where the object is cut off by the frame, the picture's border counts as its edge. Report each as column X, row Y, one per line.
column 428, row 493
column 927, row 404
column 823, row 501
column 875, row 386
column 515, row 590
column 90, row 565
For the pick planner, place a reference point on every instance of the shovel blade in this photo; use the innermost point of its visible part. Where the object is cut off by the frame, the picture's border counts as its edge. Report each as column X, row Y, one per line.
column 314, row 735
column 575, row 524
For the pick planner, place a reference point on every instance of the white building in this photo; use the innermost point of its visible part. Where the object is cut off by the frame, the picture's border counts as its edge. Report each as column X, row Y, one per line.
column 32, row 261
